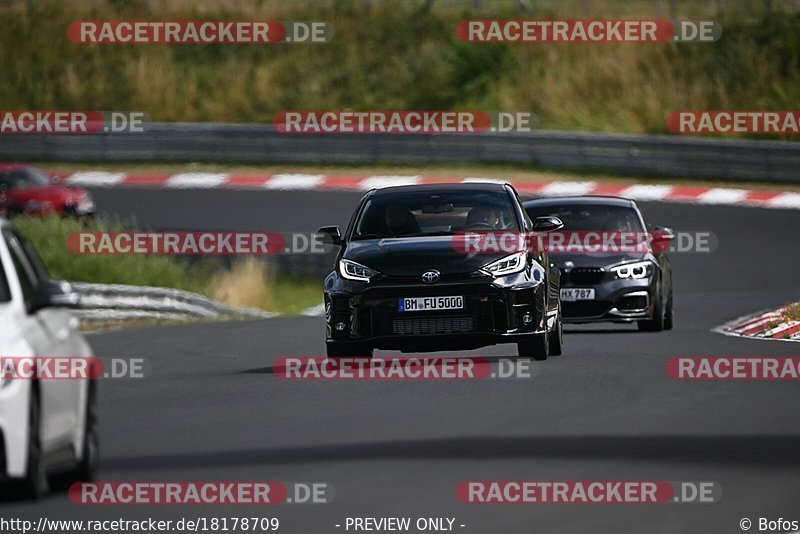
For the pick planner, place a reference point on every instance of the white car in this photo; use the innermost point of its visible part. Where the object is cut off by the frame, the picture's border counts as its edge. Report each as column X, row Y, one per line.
column 47, row 426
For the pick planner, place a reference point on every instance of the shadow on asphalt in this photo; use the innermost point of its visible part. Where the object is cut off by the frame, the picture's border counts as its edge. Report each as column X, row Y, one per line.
column 271, row 370
column 771, row 451
column 601, row 331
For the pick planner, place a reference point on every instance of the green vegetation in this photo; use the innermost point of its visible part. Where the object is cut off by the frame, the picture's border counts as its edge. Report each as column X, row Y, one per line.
column 792, row 312
column 403, row 55
column 49, row 236
column 247, row 283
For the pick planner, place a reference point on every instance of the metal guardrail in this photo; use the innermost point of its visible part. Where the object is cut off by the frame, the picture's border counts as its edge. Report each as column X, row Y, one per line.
column 114, row 302
column 649, row 155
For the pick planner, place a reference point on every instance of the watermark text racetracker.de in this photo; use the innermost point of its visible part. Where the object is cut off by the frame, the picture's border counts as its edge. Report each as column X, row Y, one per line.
column 200, row 492
column 402, row 122
column 734, row 122
column 195, row 243
column 64, row 122
column 585, row 242
column 587, row 492
column 401, row 368
column 198, row 32
column 733, row 368
column 587, row 31
column 71, row 368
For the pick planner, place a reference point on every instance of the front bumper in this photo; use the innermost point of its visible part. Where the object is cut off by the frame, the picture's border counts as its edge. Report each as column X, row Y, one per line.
column 621, row 301
column 495, row 311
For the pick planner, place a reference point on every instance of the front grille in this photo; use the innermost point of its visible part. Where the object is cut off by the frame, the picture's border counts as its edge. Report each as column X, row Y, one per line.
column 415, row 279
column 385, row 321
column 583, row 275
column 589, row 308
column 433, row 325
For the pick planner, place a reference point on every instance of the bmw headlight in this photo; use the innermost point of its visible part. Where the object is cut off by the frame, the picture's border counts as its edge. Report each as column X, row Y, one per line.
column 639, row 269
column 511, row 264
column 355, row 271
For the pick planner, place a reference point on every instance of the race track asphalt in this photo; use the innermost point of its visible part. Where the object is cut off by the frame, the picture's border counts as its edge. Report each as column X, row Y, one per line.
column 212, row 409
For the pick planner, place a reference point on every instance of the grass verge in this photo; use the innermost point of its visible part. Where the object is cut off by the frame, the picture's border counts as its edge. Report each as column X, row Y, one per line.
column 792, row 312
column 245, row 283
column 404, row 55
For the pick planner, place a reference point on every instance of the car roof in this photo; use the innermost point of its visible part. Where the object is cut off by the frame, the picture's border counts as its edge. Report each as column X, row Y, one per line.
column 12, row 166
column 587, row 200
column 430, row 188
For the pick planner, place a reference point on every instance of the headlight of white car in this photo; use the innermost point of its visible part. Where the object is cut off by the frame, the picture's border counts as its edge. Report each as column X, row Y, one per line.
column 355, row 271
column 511, row 264
column 639, row 269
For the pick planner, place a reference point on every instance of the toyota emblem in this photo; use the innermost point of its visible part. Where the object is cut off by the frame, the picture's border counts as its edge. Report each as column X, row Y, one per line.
column 430, row 277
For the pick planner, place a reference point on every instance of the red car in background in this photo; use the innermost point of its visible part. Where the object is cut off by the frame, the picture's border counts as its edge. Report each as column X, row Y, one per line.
column 28, row 190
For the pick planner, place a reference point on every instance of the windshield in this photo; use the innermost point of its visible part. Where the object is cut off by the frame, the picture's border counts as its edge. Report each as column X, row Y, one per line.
column 435, row 213
column 18, row 178
column 590, row 217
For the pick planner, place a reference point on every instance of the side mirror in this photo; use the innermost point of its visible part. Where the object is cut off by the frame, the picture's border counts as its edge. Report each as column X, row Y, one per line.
column 331, row 235
column 56, row 294
column 663, row 233
column 547, row 224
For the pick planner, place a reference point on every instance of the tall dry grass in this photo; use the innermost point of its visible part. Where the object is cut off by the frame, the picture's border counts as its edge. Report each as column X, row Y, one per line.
column 390, row 55
column 245, row 285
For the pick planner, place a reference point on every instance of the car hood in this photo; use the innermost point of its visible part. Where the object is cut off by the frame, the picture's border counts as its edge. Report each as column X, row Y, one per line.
column 47, row 193
column 411, row 256
column 595, row 260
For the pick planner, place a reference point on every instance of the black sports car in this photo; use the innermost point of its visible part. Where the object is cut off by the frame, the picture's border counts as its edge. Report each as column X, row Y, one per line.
column 403, row 282
column 610, row 282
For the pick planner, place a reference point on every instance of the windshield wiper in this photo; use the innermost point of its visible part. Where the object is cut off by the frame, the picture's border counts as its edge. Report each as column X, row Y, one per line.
column 426, row 234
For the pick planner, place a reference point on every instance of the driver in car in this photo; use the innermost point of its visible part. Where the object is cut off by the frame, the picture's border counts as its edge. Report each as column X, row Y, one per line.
column 483, row 217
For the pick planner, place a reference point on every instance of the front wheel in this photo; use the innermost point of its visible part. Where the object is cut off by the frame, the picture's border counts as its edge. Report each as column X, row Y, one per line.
column 668, row 316
column 90, row 462
column 535, row 346
column 35, row 484
column 556, row 340
column 656, row 324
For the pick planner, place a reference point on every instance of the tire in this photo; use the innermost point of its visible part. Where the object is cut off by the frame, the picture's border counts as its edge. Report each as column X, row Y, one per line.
column 534, row 346
column 345, row 350
column 668, row 316
column 656, row 324
column 90, row 462
column 556, row 340
column 35, row 484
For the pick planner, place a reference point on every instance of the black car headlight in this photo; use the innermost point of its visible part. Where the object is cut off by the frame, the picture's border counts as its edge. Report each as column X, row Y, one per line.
column 355, row 271
column 511, row 264
column 639, row 269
